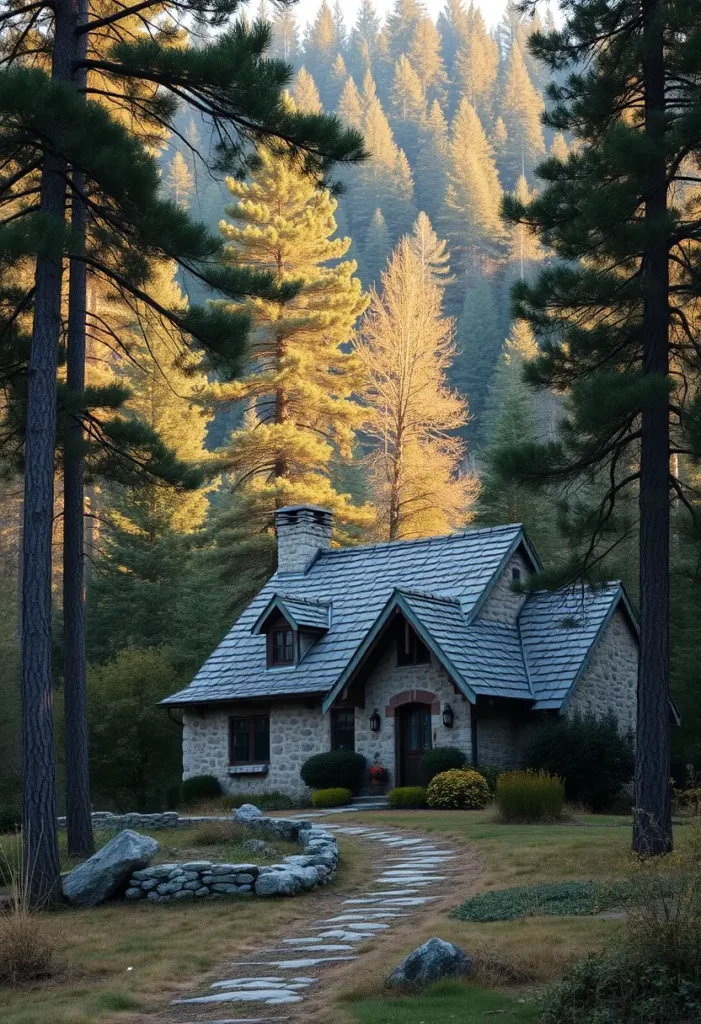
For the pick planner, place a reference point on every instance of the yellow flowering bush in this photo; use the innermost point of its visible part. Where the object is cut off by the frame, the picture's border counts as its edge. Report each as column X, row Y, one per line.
column 458, row 788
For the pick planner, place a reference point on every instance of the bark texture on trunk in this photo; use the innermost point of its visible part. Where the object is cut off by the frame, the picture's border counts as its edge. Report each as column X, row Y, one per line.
column 78, row 809
column 652, row 830
column 40, row 837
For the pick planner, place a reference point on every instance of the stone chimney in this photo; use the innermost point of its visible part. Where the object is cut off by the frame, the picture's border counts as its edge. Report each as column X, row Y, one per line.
column 302, row 531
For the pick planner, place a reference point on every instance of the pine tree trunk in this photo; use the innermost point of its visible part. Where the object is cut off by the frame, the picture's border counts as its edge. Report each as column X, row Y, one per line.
column 652, row 831
column 78, row 809
column 40, row 836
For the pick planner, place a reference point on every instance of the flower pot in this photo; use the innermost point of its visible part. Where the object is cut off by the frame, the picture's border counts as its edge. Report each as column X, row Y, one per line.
column 378, row 787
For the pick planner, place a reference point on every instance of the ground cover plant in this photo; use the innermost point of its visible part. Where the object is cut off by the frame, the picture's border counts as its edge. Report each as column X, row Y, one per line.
column 557, row 898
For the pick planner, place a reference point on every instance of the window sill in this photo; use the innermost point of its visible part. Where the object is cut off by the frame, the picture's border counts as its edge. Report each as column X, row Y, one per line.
column 248, row 769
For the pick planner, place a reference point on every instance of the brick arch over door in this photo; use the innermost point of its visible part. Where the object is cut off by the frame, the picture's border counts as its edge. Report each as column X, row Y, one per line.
column 412, row 697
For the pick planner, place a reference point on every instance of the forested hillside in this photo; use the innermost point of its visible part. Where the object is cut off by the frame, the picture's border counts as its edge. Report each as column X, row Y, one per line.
column 450, row 113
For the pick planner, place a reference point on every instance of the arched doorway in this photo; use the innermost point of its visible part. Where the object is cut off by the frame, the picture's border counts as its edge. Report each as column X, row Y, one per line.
column 412, row 737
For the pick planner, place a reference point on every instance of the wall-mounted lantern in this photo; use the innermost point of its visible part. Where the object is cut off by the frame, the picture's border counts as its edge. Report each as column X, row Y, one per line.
column 375, row 721
column 448, row 716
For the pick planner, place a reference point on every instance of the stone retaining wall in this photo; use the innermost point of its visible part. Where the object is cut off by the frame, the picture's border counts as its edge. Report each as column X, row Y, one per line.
column 105, row 821
column 315, row 865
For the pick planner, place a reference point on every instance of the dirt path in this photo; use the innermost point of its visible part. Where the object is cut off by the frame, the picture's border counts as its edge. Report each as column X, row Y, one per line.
column 294, row 977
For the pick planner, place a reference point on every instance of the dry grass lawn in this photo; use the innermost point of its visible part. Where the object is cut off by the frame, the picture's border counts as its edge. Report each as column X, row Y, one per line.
column 517, row 956
column 123, row 961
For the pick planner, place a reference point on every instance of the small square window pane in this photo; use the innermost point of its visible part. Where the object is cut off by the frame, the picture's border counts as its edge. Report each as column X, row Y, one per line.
column 261, row 739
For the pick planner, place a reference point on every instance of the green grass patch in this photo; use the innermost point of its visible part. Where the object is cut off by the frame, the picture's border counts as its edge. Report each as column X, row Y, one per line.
column 114, row 1002
column 448, row 1001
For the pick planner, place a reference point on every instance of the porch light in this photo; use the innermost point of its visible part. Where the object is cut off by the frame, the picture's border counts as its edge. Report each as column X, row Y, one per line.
column 448, row 717
column 375, row 721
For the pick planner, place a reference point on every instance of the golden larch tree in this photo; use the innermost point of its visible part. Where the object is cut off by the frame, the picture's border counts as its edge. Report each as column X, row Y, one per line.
column 415, row 459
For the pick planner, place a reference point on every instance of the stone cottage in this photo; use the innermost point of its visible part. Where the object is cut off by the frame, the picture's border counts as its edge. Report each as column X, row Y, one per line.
column 392, row 648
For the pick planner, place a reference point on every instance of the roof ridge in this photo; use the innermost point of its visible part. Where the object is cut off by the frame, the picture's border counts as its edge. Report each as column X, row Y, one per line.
column 569, row 588
column 303, row 600
column 427, row 595
column 421, row 540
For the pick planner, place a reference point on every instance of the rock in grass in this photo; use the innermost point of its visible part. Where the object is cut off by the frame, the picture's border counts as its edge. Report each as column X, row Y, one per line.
column 246, row 812
column 108, row 870
column 433, row 961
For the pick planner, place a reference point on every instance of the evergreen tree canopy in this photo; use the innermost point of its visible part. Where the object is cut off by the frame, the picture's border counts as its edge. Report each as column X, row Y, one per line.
column 474, row 194
column 401, row 25
column 476, row 65
column 350, row 105
column 432, row 163
column 300, row 380
column 180, row 180
column 521, row 110
column 426, row 59
column 305, row 93
column 409, row 106
column 376, row 249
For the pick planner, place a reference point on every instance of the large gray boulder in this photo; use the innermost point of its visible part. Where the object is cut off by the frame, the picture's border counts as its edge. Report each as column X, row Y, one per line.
column 107, row 871
column 246, row 813
column 433, row 961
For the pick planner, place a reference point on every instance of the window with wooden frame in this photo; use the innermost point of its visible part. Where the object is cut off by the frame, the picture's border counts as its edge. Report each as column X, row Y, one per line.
column 343, row 729
column 249, row 740
column 281, row 644
column 411, row 650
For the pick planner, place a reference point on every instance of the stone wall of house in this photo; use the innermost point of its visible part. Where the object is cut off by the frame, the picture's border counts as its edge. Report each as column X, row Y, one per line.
column 503, row 604
column 389, row 681
column 610, row 680
column 297, row 731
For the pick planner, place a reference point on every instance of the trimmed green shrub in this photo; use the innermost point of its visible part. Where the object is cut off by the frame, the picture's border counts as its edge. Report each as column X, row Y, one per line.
column 199, row 787
column 407, row 796
column 490, row 773
column 440, row 759
column 527, row 796
column 591, row 754
column 338, row 796
column 336, row 768
column 458, row 789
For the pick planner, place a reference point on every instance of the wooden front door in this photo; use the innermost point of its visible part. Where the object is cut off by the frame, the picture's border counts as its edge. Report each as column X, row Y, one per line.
column 413, row 737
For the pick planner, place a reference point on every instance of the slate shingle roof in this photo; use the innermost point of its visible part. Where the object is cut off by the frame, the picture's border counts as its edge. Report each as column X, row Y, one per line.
column 441, row 583
column 558, row 631
column 300, row 612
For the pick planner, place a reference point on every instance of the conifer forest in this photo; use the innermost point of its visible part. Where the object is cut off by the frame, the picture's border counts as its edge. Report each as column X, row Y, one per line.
column 422, row 268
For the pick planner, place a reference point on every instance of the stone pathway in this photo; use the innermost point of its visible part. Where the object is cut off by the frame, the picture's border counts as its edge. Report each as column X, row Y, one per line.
column 410, row 873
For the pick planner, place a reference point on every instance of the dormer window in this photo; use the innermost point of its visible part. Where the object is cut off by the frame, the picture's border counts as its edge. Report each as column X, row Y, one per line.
column 281, row 647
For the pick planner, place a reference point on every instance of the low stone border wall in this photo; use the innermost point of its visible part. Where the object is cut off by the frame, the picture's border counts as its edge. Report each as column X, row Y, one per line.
column 315, row 865
column 105, row 821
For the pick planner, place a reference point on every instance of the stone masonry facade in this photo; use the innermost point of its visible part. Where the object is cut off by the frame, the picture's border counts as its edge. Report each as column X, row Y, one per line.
column 388, row 688
column 297, row 730
column 610, row 680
